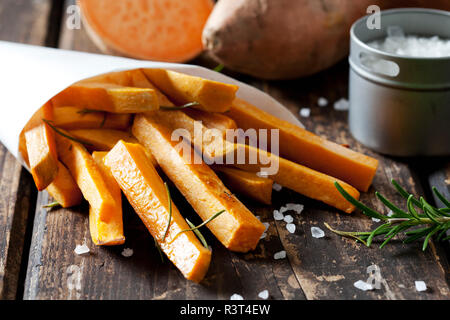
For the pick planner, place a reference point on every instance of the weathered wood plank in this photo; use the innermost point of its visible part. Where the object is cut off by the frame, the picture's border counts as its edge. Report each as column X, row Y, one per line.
column 16, row 185
column 56, row 272
column 327, row 268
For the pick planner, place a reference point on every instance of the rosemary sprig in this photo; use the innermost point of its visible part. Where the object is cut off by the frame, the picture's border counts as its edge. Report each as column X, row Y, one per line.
column 86, row 111
column 198, row 233
column 184, row 106
column 159, row 250
column 170, row 211
column 51, row 205
column 64, row 134
column 432, row 219
column 200, row 225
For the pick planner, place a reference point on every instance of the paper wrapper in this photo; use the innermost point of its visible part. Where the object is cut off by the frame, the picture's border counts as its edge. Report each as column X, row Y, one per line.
column 31, row 75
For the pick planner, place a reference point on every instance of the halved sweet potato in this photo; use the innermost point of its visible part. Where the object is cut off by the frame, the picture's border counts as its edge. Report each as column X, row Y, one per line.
column 145, row 191
column 212, row 120
column 70, row 118
column 306, row 181
column 181, row 88
column 105, row 215
column 237, row 228
column 64, row 189
column 246, row 183
column 107, row 97
column 306, row 148
column 42, row 155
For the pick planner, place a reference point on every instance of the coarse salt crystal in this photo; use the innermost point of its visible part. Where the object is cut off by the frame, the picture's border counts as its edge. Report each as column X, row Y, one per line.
column 81, row 249
column 276, row 187
column 322, row 102
column 127, row 252
column 317, row 232
column 341, row 105
column 390, row 213
column 420, row 286
column 236, row 296
column 376, row 220
column 277, row 215
column 266, row 224
column 290, row 227
column 298, row 208
column 258, row 217
column 264, row 294
column 305, row 112
column 263, row 236
column 364, row 286
column 288, row 218
column 280, row 255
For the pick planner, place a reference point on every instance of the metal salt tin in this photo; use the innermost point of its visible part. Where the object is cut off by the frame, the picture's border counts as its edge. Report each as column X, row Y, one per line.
column 407, row 114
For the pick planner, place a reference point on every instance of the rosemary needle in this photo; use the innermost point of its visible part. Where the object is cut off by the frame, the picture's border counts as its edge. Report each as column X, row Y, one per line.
column 184, row 106
column 198, row 233
column 219, row 67
column 51, row 205
column 200, row 225
column 436, row 220
column 65, row 135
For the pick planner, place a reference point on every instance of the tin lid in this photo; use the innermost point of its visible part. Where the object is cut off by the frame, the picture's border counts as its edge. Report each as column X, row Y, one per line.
column 421, row 73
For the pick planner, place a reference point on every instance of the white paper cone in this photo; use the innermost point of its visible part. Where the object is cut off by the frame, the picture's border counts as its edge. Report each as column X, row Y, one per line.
column 31, row 75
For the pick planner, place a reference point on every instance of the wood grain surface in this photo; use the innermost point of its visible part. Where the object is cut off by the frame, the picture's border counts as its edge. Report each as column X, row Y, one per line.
column 18, row 194
column 324, row 268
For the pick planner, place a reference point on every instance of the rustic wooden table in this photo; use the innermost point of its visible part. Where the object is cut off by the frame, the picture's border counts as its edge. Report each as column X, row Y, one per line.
column 37, row 259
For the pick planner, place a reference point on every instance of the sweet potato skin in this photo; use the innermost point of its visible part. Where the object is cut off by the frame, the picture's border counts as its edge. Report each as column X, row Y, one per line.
column 146, row 193
column 304, row 147
column 237, row 228
column 289, row 43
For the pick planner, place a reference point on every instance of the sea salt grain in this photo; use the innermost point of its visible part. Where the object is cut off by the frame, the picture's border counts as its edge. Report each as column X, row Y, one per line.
column 263, row 236
column 298, row 208
column 290, row 227
column 420, row 286
column 317, row 232
column 264, row 294
column 277, row 215
column 305, row 112
column 364, row 286
column 81, row 249
column 288, row 218
column 266, row 224
column 280, row 255
column 341, row 105
column 390, row 213
column 276, row 187
column 322, row 102
column 236, row 296
column 127, row 252
column 376, row 220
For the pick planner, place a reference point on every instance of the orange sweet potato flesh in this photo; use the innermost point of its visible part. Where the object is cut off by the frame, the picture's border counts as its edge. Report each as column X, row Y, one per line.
column 107, row 97
column 131, row 78
column 146, row 192
column 105, row 214
column 306, row 181
column 236, row 228
column 64, row 189
column 212, row 120
column 42, row 155
column 181, row 88
column 156, row 30
column 74, row 118
column 246, row 183
column 306, row 148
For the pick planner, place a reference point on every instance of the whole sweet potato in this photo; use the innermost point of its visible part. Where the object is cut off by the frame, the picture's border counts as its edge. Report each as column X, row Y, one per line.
column 281, row 39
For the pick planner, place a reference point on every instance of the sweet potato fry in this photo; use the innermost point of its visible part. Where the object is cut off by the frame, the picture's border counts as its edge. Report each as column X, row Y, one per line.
column 42, row 155
column 212, row 120
column 105, row 215
column 107, row 97
column 209, row 141
column 70, row 118
column 306, row 181
column 237, row 228
column 181, row 88
column 246, row 183
column 64, row 189
column 306, row 148
column 145, row 191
